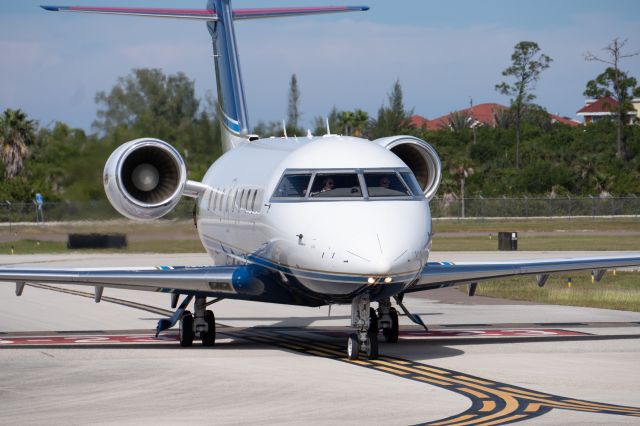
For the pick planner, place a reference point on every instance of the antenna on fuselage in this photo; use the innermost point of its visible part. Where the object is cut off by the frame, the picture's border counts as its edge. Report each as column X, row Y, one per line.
column 326, row 120
column 284, row 129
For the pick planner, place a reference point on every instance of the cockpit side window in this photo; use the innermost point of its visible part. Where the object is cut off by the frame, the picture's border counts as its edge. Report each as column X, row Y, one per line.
column 411, row 180
column 343, row 185
column 385, row 184
column 293, row 186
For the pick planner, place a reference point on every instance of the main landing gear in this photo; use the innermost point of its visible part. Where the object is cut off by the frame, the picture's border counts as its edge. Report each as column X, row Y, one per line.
column 368, row 324
column 201, row 323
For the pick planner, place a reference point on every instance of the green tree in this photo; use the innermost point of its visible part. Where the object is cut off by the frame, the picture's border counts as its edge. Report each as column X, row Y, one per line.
column 149, row 101
column 393, row 119
column 527, row 63
column 353, row 123
column 16, row 134
column 293, row 110
column 617, row 84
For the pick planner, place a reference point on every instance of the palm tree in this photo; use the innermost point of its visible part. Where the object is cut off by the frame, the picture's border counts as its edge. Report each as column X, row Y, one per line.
column 502, row 119
column 360, row 120
column 461, row 173
column 352, row 123
column 459, row 120
column 16, row 134
column 345, row 120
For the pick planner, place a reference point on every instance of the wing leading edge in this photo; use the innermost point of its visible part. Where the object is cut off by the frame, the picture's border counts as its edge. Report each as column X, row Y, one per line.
column 442, row 274
column 238, row 282
column 207, row 14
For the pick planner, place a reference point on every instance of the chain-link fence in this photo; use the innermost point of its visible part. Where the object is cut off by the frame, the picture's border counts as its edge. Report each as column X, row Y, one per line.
column 440, row 207
column 535, row 207
column 73, row 210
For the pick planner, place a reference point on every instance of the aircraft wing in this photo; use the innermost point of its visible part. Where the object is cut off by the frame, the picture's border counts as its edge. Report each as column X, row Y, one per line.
column 219, row 281
column 444, row 274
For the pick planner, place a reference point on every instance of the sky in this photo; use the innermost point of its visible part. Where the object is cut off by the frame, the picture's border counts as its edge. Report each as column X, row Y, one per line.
column 444, row 53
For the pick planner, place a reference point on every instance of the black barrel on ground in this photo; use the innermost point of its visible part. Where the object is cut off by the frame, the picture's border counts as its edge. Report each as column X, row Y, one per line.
column 508, row 241
column 96, row 241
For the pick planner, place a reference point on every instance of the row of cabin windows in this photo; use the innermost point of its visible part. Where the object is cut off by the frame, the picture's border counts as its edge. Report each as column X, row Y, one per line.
column 238, row 200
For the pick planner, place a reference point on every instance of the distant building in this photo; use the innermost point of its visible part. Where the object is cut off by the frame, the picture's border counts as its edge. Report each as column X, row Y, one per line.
column 481, row 114
column 636, row 106
column 604, row 108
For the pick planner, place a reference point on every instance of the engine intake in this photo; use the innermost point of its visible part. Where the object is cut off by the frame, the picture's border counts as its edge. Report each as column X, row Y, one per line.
column 145, row 178
column 420, row 157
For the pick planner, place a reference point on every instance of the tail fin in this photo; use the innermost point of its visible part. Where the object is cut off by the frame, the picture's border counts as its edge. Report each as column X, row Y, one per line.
column 219, row 18
column 231, row 99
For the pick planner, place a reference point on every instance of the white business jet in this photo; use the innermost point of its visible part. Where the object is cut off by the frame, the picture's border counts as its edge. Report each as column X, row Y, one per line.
column 306, row 221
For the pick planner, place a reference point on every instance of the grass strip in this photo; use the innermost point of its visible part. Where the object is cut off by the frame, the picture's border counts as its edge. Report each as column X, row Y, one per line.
column 620, row 291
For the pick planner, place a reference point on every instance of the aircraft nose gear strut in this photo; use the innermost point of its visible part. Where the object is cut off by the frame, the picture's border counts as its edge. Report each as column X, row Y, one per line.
column 365, row 339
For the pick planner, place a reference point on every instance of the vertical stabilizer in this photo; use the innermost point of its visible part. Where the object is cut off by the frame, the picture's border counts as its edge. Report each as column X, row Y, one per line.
column 231, row 98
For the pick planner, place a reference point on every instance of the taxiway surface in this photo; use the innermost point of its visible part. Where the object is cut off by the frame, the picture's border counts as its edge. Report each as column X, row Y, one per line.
column 64, row 359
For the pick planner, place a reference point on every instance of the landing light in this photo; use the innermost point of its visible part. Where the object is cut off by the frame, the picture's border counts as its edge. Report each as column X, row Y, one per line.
column 371, row 280
column 388, row 280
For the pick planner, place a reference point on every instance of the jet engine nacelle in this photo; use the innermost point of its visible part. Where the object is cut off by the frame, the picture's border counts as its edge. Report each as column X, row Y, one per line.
column 421, row 158
column 145, row 178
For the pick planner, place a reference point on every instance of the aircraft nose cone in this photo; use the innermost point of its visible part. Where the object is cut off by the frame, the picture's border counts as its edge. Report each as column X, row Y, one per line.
column 381, row 266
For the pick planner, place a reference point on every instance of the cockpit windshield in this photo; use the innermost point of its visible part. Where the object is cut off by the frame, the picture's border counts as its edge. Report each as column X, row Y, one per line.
column 374, row 184
column 336, row 185
column 385, row 184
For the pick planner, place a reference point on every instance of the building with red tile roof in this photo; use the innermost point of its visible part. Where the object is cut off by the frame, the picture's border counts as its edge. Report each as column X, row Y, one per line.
column 481, row 114
column 597, row 109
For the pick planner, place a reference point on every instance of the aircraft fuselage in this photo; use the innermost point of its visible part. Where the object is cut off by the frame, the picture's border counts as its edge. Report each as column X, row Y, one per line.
column 327, row 248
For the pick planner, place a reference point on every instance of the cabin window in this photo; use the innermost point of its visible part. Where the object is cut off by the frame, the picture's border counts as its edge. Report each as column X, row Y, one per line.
column 235, row 199
column 241, row 202
column 253, row 201
column 343, row 185
column 293, row 186
column 221, row 199
column 385, row 184
column 209, row 203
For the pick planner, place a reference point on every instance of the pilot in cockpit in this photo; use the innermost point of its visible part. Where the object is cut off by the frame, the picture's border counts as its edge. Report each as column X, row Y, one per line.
column 328, row 184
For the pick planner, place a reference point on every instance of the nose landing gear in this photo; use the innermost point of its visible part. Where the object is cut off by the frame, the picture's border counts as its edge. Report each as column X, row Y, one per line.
column 368, row 323
column 365, row 320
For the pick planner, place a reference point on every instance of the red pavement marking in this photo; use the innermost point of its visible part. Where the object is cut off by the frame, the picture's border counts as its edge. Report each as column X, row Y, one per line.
column 151, row 339
column 86, row 340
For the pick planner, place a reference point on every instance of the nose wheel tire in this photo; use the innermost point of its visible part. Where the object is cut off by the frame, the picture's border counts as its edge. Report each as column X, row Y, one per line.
column 186, row 329
column 209, row 337
column 391, row 334
column 372, row 344
column 353, row 347
column 373, row 321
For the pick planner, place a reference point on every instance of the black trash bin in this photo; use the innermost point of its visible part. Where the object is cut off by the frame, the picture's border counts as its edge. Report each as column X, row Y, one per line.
column 96, row 241
column 508, row 241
